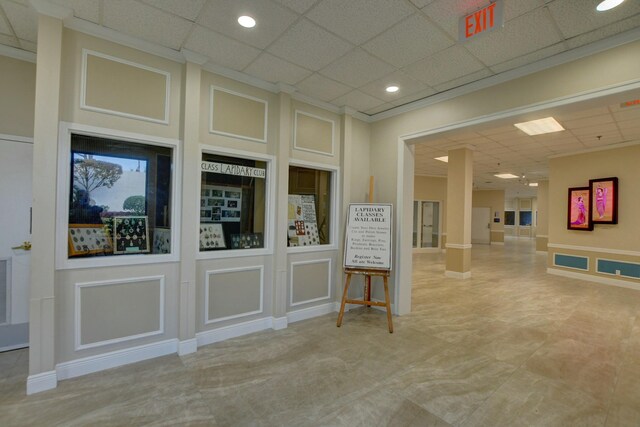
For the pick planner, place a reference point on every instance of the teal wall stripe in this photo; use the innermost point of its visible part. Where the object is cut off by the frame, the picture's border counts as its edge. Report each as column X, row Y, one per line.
column 626, row 269
column 579, row 262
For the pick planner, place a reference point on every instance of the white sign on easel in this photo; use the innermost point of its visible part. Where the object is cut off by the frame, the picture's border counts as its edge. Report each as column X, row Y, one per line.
column 368, row 236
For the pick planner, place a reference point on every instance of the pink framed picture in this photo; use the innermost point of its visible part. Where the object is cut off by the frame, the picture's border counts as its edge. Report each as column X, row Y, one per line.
column 604, row 200
column 578, row 217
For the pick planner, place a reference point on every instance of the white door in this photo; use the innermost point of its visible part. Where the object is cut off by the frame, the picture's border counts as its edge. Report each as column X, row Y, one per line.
column 481, row 225
column 427, row 225
column 15, row 229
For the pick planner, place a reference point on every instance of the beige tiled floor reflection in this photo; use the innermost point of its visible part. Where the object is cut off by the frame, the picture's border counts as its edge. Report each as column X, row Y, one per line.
column 512, row 346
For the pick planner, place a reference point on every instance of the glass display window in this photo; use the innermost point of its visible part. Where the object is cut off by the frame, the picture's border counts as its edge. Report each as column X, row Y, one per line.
column 232, row 203
column 509, row 218
column 119, row 198
column 310, row 206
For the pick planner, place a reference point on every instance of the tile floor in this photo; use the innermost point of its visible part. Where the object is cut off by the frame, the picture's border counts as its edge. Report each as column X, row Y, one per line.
column 512, row 346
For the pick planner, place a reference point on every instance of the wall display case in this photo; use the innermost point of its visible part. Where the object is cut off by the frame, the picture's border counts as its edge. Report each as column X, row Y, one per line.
column 120, row 193
column 232, row 202
column 310, row 204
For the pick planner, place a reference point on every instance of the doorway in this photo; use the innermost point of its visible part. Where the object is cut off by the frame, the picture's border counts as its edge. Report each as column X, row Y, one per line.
column 481, row 226
column 15, row 236
column 426, row 225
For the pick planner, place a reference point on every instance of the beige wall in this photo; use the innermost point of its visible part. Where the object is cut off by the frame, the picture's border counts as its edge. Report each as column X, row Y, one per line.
column 542, row 232
column 17, row 103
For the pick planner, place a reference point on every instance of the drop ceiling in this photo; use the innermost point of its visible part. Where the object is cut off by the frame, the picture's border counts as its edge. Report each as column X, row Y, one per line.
column 345, row 52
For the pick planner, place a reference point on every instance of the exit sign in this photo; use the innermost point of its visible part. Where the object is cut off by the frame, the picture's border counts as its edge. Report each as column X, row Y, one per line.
column 481, row 21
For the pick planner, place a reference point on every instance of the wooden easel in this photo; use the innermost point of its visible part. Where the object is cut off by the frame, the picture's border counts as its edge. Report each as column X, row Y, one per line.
column 367, row 300
column 368, row 274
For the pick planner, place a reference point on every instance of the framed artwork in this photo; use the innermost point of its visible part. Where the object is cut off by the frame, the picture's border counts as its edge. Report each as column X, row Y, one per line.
column 89, row 239
column 161, row 240
column 211, row 236
column 578, row 216
column 131, row 234
column 604, row 200
column 220, row 204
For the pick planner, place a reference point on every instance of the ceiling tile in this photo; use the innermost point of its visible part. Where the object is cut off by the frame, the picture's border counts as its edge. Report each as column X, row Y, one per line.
column 574, row 17
column 322, row 88
column 188, row 9
column 421, row 3
column 444, row 66
column 221, row 49
column 309, row 46
column 408, row 41
column 29, row 46
column 588, row 121
column 300, row 6
column 23, row 20
column 461, row 81
column 89, row 10
column 627, row 114
column 146, row 22
column 525, row 34
column 572, row 115
column 4, row 25
column 601, row 129
column 415, row 96
column 358, row 100
column 448, row 12
column 359, row 20
column 271, row 20
column 357, row 68
column 9, row 41
column 631, row 134
column 408, row 87
column 272, row 69
column 529, row 58
column 604, row 32
column 629, row 124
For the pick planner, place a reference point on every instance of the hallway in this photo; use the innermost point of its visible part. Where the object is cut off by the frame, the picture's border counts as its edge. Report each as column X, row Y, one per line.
column 510, row 346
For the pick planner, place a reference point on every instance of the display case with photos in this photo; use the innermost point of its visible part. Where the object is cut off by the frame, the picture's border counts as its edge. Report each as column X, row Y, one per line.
column 232, row 202
column 309, row 212
column 119, row 197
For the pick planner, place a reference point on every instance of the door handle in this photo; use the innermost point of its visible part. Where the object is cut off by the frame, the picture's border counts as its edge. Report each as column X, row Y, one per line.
column 25, row 246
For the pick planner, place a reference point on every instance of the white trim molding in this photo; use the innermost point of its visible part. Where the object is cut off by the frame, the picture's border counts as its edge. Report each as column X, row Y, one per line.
column 324, row 119
column 593, row 249
column 62, row 210
column 233, row 331
column 596, row 279
column 16, row 138
column 132, row 280
column 311, row 312
column 214, row 88
column 458, row 246
column 41, row 382
column 83, row 88
column 279, row 323
column 329, row 276
column 457, row 274
column 207, row 275
column 113, row 359
column 187, row 346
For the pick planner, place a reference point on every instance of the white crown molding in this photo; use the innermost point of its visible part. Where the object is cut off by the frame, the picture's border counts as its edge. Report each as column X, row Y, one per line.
column 108, row 34
column 15, row 53
column 194, row 57
column 240, row 77
column 286, row 88
column 44, row 7
column 550, row 62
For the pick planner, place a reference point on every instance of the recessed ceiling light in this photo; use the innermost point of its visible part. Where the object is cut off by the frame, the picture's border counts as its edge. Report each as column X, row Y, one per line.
column 533, row 184
column 506, row 175
column 608, row 4
column 392, row 89
column 538, row 127
column 247, row 21
column 443, row 159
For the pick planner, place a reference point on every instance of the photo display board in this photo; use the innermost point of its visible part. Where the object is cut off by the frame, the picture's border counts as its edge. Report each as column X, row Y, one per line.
column 303, row 222
column 220, row 203
column 368, row 236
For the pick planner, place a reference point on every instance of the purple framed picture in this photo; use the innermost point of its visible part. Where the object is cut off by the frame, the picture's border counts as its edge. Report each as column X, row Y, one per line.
column 604, row 200
column 578, row 216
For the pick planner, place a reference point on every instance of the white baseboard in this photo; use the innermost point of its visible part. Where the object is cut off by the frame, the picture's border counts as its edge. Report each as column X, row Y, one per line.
column 498, row 243
column 14, row 347
column 311, row 312
column 42, row 382
column 595, row 279
column 457, row 274
column 113, row 359
column 233, row 331
column 187, row 347
column 279, row 323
